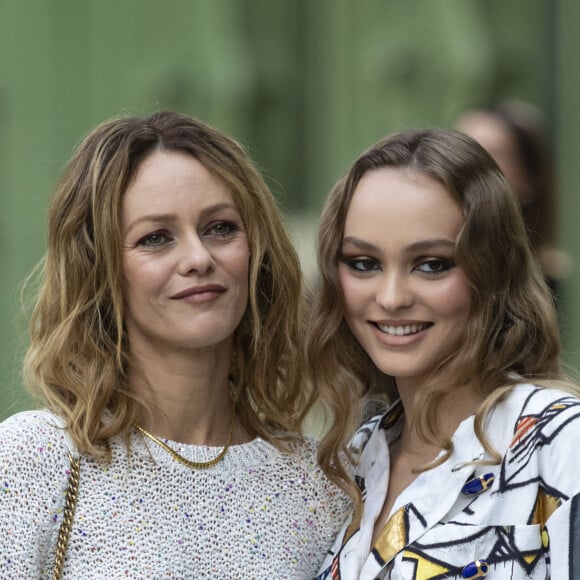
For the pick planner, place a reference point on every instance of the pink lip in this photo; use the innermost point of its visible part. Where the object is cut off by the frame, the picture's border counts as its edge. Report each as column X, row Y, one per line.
column 394, row 340
column 206, row 291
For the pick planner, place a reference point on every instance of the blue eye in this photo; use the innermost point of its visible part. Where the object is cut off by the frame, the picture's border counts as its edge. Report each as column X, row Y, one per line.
column 154, row 240
column 435, row 266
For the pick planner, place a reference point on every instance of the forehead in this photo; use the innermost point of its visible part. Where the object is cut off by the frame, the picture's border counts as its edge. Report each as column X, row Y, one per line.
column 399, row 205
column 167, row 178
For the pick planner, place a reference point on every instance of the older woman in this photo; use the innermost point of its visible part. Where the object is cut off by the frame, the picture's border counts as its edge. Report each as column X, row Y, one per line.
column 165, row 350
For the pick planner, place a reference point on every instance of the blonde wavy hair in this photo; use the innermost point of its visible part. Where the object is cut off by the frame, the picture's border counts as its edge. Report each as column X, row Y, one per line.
column 512, row 334
column 78, row 357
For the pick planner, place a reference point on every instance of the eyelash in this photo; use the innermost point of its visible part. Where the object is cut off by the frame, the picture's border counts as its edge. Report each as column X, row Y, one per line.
column 365, row 265
column 356, row 263
column 212, row 231
column 443, row 266
column 146, row 240
column 231, row 228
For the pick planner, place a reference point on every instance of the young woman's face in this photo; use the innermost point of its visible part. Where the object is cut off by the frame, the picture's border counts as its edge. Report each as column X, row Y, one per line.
column 185, row 256
column 406, row 301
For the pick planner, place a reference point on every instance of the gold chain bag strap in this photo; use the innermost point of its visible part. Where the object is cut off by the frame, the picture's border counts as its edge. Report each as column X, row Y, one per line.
column 69, row 513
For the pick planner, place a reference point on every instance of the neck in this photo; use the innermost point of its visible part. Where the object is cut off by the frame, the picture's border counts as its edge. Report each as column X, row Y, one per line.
column 187, row 394
column 453, row 409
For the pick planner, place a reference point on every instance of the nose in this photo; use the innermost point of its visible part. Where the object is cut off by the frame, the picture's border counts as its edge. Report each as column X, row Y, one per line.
column 195, row 256
column 394, row 291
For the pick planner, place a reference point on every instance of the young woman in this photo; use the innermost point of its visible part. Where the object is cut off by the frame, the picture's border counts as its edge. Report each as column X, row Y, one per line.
column 166, row 350
column 430, row 295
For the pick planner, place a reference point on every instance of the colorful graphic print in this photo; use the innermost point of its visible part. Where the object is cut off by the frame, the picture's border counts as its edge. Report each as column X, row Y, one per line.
column 527, row 508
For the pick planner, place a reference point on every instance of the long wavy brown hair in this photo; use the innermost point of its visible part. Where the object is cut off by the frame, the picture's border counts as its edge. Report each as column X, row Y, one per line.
column 512, row 333
column 79, row 354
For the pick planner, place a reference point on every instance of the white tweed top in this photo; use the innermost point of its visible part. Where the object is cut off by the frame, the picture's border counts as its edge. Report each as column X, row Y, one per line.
column 259, row 513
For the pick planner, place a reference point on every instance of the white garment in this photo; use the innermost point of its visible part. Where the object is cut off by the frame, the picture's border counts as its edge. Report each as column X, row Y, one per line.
column 523, row 524
column 259, row 513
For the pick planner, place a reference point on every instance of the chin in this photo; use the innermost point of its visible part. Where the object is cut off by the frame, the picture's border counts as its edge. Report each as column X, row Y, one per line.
column 400, row 372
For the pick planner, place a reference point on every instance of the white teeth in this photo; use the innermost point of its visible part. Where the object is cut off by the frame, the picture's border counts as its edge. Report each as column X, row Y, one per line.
column 402, row 330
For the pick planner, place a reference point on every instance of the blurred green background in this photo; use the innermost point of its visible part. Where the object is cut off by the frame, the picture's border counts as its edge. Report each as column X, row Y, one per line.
column 304, row 84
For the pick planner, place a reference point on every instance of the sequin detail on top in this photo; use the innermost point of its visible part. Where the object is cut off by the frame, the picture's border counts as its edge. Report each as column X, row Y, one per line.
column 259, row 513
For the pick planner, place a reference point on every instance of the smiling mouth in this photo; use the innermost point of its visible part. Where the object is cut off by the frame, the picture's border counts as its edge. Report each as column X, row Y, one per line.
column 403, row 330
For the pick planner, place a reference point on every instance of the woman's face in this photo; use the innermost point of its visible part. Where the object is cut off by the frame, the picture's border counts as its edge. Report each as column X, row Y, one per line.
column 185, row 256
column 495, row 137
column 406, row 301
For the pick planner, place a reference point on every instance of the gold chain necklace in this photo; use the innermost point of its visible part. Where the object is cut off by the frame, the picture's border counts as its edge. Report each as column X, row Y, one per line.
column 181, row 459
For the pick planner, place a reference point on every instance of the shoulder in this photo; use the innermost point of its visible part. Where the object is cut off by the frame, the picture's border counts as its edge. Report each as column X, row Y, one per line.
column 539, row 404
column 302, row 450
column 302, row 456
column 29, row 421
column 35, row 460
column 536, row 414
column 544, row 426
column 33, row 433
column 333, row 501
column 299, row 462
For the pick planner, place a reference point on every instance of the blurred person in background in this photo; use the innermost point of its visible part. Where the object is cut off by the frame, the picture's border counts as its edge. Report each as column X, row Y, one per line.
column 431, row 297
column 166, row 352
column 514, row 133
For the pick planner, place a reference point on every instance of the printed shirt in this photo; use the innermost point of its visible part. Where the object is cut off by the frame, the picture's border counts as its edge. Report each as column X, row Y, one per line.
column 513, row 520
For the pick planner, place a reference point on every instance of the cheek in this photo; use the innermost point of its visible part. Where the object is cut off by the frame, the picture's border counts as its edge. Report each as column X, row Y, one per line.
column 344, row 283
column 129, row 277
column 351, row 290
column 243, row 276
column 238, row 259
column 235, row 261
column 454, row 299
column 142, row 276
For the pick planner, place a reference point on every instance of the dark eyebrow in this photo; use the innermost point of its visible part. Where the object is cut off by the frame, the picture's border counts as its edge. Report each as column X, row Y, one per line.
column 170, row 217
column 420, row 246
